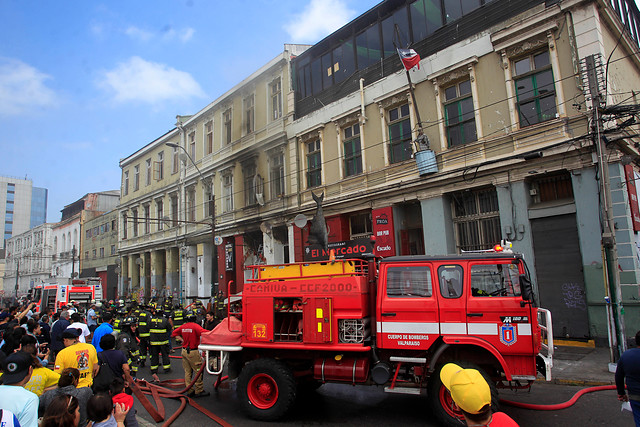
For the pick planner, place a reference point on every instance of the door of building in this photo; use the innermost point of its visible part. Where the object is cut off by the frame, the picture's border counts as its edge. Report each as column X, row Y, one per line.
column 560, row 275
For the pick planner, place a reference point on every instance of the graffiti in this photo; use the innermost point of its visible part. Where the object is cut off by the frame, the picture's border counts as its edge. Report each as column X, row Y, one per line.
column 573, row 296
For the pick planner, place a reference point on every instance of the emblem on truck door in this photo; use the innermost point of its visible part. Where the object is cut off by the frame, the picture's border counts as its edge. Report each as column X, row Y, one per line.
column 508, row 334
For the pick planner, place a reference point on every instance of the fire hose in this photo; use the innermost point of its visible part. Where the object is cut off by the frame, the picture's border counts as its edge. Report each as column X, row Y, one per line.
column 557, row 406
column 142, row 388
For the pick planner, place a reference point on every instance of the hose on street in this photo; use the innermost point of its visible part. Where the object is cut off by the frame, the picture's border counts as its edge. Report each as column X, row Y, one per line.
column 557, row 406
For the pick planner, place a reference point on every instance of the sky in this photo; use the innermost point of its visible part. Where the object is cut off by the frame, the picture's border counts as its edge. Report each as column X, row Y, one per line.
column 84, row 83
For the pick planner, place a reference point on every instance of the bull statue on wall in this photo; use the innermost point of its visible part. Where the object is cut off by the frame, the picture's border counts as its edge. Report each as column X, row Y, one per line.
column 318, row 233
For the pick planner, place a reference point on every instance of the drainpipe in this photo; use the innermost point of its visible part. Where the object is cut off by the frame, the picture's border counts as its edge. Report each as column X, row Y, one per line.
column 363, row 118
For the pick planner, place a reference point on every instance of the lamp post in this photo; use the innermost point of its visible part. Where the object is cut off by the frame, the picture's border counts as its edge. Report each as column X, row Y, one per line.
column 212, row 210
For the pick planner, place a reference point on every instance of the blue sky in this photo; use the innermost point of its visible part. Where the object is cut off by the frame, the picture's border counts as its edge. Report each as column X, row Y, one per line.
column 86, row 83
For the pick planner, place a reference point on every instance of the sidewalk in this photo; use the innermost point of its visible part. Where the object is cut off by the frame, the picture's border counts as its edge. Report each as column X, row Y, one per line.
column 585, row 366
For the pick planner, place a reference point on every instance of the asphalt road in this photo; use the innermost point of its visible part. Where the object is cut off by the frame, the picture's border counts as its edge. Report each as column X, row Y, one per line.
column 345, row 405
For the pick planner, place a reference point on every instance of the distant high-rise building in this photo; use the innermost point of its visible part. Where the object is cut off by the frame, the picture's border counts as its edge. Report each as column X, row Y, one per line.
column 22, row 207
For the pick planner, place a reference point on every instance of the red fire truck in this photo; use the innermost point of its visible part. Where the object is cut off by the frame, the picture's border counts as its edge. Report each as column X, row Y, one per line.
column 54, row 295
column 392, row 322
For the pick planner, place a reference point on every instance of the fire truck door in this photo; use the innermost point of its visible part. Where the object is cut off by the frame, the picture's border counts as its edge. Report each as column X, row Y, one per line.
column 452, row 300
column 494, row 312
column 317, row 320
column 408, row 310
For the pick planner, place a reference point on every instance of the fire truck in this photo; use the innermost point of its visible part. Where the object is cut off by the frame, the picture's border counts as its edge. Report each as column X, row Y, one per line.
column 392, row 323
column 55, row 295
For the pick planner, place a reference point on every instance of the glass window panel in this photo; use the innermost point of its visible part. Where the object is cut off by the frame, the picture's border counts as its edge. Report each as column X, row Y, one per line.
column 362, row 51
column 524, row 88
column 316, row 76
column 522, row 66
column 450, row 93
column 528, row 114
column 433, row 10
column 544, row 82
column 548, row 107
column 465, row 87
column 393, row 115
column 541, row 60
column 373, row 42
column 404, row 110
column 327, row 71
column 469, row 130
column 400, row 19
column 466, row 105
column 452, row 113
column 412, row 282
column 343, row 61
column 469, row 6
column 418, row 20
column 453, row 10
column 455, row 137
column 307, row 81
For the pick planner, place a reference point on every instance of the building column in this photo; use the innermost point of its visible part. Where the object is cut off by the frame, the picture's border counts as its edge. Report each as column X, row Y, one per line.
column 134, row 274
column 437, row 226
column 191, row 272
column 157, row 273
column 146, row 275
column 172, row 273
column 204, row 288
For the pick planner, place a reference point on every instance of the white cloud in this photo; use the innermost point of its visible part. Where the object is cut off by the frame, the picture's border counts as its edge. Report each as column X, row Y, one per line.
column 318, row 19
column 138, row 34
column 22, row 88
column 140, row 80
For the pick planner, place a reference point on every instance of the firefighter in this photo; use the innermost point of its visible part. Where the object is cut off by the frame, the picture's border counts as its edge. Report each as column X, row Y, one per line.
column 219, row 307
column 167, row 304
column 144, row 321
column 128, row 344
column 160, row 331
column 177, row 319
column 121, row 313
column 191, row 360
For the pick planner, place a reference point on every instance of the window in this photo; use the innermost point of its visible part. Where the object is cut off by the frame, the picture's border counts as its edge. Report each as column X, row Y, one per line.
column 492, row 280
column 248, row 114
column 94, row 253
column 191, row 204
column 426, row 17
column 360, row 225
column 227, row 192
column 276, row 174
column 147, row 219
column 552, row 187
column 409, row 282
column 208, row 129
column 113, row 225
column 175, row 164
column 159, row 214
column 125, row 186
column 399, row 20
column 249, row 187
column 459, row 114
column 159, row 167
column 275, row 91
column 86, row 255
column 209, row 207
column 451, row 281
column 226, row 119
column 148, row 164
column 192, row 145
column 476, row 218
column 136, row 177
column 399, row 134
column 124, row 226
column 113, row 249
column 368, row 47
column 174, row 210
column 535, row 91
column 101, row 252
column 314, row 164
column 134, row 213
column 352, row 150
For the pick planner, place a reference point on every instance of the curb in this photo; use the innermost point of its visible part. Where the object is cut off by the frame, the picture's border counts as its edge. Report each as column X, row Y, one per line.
column 573, row 382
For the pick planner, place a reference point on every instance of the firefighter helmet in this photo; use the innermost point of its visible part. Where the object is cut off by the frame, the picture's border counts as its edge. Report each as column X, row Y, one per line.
column 128, row 321
column 190, row 316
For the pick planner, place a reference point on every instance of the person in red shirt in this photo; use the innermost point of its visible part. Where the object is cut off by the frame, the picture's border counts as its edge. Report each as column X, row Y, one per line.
column 191, row 360
column 472, row 395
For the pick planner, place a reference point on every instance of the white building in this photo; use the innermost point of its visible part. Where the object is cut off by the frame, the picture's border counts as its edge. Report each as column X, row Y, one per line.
column 28, row 259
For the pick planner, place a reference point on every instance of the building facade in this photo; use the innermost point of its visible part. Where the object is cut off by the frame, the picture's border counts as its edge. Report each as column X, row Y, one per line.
column 505, row 96
column 28, row 260
column 99, row 257
column 213, row 168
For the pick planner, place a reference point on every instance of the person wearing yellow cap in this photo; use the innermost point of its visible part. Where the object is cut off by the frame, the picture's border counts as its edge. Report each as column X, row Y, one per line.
column 471, row 393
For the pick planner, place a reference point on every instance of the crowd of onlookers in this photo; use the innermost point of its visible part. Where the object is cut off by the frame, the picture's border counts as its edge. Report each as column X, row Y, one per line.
column 51, row 371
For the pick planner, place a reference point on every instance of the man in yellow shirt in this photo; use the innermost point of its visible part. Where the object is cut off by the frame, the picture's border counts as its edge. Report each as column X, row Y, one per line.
column 81, row 356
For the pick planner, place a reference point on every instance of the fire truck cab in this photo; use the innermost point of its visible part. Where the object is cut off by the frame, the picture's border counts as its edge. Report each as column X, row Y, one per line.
column 55, row 296
column 392, row 323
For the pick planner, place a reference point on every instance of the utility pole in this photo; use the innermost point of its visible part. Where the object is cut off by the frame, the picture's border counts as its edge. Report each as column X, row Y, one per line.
column 609, row 247
column 17, row 276
column 73, row 262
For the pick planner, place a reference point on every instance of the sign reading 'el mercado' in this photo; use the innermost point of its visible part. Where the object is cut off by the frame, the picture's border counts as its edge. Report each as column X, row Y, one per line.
column 356, row 248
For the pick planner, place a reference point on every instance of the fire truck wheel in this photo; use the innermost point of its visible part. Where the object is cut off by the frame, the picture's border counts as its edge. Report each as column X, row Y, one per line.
column 267, row 389
column 442, row 404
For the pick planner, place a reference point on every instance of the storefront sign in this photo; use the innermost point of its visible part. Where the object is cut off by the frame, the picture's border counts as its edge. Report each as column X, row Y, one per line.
column 356, row 248
column 229, row 263
column 633, row 196
column 383, row 232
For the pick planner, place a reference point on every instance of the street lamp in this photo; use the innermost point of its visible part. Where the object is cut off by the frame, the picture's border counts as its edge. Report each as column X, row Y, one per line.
column 212, row 209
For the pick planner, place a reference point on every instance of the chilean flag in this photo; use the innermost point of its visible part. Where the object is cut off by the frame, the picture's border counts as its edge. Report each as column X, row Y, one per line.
column 409, row 58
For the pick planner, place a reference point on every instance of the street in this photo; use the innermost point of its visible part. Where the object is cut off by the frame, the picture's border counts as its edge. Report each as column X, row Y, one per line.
column 337, row 404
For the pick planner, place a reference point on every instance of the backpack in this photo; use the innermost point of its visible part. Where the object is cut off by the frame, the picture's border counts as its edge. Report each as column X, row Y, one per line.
column 102, row 381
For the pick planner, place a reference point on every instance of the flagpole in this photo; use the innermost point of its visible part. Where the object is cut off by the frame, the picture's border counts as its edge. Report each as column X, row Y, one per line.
column 415, row 104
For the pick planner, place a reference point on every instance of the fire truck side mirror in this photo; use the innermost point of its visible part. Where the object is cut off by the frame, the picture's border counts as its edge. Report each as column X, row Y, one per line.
column 527, row 290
